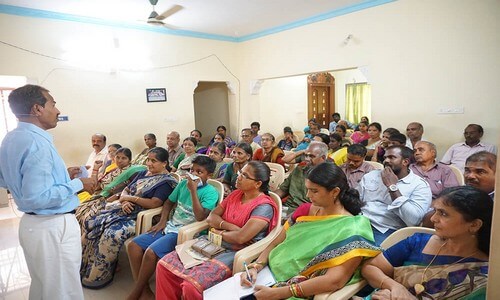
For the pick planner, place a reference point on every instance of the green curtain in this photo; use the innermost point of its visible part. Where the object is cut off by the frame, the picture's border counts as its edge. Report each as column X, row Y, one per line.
column 358, row 101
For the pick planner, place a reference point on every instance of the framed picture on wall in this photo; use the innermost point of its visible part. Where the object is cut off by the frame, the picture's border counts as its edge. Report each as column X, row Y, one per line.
column 156, row 95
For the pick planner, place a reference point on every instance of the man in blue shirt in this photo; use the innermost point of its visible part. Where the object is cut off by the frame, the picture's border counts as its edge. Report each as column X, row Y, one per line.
column 40, row 184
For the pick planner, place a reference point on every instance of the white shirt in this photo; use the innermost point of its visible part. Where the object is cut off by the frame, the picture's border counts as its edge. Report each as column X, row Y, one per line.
column 406, row 210
column 97, row 156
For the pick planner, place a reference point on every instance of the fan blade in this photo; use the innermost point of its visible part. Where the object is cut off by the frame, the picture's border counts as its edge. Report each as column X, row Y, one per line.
column 169, row 12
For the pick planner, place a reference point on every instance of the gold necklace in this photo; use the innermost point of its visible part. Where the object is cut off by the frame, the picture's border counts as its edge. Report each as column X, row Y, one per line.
column 419, row 287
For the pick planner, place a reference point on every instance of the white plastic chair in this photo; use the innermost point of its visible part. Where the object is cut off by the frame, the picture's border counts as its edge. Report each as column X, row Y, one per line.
column 189, row 231
column 277, row 175
column 458, row 174
column 376, row 165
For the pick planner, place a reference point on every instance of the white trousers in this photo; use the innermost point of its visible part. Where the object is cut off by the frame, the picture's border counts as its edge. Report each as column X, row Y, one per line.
column 53, row 251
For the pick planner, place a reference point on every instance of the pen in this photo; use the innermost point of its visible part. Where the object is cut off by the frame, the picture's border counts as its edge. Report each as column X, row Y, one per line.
column 248, row 273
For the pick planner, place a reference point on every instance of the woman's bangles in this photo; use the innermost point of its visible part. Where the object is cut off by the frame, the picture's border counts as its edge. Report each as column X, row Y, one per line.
column 296, row 290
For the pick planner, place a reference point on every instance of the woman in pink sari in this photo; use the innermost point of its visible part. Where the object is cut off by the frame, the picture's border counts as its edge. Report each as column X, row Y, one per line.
column 247, row 215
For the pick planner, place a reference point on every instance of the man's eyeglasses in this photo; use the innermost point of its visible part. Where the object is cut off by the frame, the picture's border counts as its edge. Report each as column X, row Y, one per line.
column 309, row 155
column 245, row 175
column 245, row 135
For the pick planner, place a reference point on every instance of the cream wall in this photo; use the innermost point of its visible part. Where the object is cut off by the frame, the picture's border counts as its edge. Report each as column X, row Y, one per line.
column 114, row 103
column 421, row 55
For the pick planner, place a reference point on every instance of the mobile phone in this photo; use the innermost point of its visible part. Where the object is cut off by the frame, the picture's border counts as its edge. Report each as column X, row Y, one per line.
column 193, row 177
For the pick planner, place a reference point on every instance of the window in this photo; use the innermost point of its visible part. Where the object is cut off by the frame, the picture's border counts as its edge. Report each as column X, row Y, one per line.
column 358, row 101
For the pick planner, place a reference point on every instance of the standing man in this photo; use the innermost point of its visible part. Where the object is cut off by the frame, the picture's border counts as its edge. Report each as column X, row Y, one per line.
column 395, row 197
column 257, row 138
column 458, row 153
column 173, row 147
column 414, row 132
column 99, row 154
column 36, row 176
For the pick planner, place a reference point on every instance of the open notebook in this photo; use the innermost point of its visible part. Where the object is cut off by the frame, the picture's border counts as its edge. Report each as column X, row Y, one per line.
column 231, row 288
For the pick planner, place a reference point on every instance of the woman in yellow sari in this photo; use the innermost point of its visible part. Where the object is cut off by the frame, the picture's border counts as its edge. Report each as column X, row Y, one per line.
column 322, row 244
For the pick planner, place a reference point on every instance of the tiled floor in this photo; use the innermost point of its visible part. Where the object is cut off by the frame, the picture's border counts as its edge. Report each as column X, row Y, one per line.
column 14, row 276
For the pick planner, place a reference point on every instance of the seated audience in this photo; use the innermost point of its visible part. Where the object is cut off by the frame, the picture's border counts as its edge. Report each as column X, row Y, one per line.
column 242, row 154
column 395, row 197
column 397, row 139
column 150, row 141
column 458, row 153
column 384, row 143
column 414, row 131
column 227, row 140
column 193, row 200
column 109, row 186
column 450, row 264
column 173, row 147
column 246, row 137
column 121, row 162
column 104, row 234
column 307, row 129
column 356, row 166
column 480, row 171
column 200, row 148
column 337, row 152
column 304, row 143
column 100, row 151
column 217, row 153
column 358, row 136
column 314, row 128
column 363, row 119
column 182, row 164
column 322, row 137
column 342, row 131
column 331, row 257
column 437, row 175
column 293, row 188
column 336, row 119
column 269, row 151
column 374, row 131
column 255, row 126
column 219, row 138
column 247, row 215
column 109, row 163
column 290, row 141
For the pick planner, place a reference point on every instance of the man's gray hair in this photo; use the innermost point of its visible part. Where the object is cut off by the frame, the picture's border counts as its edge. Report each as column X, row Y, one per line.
column 321, row 147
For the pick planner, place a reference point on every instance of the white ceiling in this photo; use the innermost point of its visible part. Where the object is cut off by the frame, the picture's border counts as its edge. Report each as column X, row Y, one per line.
column 229, row 18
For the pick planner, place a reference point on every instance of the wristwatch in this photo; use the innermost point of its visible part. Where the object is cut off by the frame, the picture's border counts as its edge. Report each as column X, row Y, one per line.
column 393, row 188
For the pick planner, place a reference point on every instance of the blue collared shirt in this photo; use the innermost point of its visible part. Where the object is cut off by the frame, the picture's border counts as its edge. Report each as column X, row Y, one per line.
column 34, row 172
column 406, row 210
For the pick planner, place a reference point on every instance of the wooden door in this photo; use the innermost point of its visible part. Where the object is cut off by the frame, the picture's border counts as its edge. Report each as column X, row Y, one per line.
column 321, row 98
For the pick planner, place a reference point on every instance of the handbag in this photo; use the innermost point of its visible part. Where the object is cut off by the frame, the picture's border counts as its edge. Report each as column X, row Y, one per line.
column 206, row 247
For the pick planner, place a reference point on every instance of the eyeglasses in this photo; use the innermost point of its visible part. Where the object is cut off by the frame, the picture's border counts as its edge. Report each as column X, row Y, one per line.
column 309, row 155
column 245, row 135
column 266, row 140
column 245, row 175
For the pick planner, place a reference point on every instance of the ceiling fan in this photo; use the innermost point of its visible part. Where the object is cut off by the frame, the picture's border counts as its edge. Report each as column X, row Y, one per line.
column 157, row 19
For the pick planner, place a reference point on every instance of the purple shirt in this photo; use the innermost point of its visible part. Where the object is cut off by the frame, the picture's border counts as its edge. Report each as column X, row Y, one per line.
column 354, row 175
column 439, row 177
column 458, row 153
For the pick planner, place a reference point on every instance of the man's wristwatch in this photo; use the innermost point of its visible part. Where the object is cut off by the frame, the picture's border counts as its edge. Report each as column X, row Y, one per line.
column 393, row 188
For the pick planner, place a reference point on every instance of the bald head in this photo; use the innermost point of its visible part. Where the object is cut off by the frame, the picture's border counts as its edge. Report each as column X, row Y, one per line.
column 173, row 139
column 414, row 131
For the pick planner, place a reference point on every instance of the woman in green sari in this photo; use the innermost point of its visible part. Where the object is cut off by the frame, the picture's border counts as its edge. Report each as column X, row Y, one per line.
column 322, row 244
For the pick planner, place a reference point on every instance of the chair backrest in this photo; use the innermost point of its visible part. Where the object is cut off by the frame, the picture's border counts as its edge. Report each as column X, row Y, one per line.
column 376, row 165
column 458, row 174
column 403, row 233
column 277, row 175
column 219, row 187
column 249, row 253
column 176, row 176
